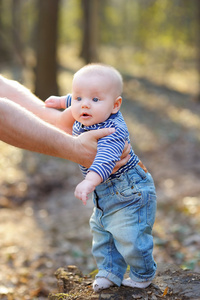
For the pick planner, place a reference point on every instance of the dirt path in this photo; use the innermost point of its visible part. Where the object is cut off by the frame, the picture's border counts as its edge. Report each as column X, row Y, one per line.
column 43, row 227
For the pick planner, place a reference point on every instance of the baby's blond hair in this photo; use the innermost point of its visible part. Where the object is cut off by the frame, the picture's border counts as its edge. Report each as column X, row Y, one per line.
column 103, row 70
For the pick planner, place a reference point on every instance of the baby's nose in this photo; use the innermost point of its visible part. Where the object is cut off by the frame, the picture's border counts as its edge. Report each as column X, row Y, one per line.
column 85, row 102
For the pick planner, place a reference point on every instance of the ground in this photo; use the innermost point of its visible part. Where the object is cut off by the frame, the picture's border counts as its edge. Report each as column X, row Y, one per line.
column 170, row 283
column 43, row 227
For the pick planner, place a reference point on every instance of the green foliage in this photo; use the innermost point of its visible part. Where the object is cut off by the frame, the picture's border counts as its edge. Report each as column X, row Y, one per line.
column 27, row 13
column 94, row 273
column 165, row 30
column 148, row 23
column 59, row 296
column 70, row 21
column 144, row 24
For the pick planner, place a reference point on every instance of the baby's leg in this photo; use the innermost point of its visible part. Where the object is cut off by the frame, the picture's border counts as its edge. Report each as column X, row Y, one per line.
column 134, row 241
column 110, row 263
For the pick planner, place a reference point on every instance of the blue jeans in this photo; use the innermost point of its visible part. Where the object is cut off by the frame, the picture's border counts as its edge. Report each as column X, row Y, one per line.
column 121, row 225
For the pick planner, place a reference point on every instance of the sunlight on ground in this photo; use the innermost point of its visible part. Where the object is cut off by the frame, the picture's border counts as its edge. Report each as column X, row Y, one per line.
column 179, row 77
column 145, row 137
column 192, row 204
column 182, row 80
column 184, row 117
column 27, row 227
column 10, row 157
column 23, row 244
column 164, row 107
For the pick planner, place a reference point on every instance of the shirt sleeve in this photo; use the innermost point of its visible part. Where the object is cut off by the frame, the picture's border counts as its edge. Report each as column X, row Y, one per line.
column 109, row 151
column 68, row 100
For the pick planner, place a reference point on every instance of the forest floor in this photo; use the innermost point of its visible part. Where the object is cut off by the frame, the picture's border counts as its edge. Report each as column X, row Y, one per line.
column 43, row 227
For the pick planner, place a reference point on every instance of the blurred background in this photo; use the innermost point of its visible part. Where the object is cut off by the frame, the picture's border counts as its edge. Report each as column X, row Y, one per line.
column 42, row 40
column 155, row 44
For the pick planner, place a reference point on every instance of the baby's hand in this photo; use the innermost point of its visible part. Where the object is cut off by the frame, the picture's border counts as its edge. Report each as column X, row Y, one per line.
column 83, row 189
column 56, row 102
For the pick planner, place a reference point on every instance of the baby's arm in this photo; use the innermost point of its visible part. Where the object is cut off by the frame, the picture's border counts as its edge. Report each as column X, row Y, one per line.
column 66, row 121
column 56, row 102
column 87, row 186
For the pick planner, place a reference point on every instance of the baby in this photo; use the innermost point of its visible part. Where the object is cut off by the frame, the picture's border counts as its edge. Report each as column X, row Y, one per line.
column 124, row 202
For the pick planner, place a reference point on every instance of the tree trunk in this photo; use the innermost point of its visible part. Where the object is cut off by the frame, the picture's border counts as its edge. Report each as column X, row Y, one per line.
column 198, row 44
column 5, row 51
column 90, row 30
column 46, row 69
column 18, row 48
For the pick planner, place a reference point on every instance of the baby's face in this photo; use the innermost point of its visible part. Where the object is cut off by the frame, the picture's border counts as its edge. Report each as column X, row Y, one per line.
column 93, row 99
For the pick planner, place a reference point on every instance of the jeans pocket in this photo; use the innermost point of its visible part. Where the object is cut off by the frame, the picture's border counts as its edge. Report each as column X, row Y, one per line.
column 130, row 194
column 128, row 190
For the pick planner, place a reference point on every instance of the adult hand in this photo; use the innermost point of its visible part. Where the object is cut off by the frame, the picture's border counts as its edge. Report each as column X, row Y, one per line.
column 124, row 157
column 86, row 145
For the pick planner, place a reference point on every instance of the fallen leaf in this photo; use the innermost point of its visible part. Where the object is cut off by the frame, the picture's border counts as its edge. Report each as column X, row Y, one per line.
column 165, row 292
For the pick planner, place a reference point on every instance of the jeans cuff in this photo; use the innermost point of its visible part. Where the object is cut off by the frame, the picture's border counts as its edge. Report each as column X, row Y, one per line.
column 115, row 279
column 142, row 278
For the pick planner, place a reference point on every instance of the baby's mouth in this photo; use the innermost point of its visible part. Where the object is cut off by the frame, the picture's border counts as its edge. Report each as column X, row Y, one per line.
column 85, row 115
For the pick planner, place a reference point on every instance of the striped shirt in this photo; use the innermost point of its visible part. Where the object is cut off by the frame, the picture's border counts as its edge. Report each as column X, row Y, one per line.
column 109, row 148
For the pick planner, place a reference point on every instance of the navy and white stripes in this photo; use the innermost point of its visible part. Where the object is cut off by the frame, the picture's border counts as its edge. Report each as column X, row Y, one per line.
column 109, row 148
column 68, row 100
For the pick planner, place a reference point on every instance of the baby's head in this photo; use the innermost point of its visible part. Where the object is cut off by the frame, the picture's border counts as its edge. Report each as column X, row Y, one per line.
column 103, row 73
column 96, row 93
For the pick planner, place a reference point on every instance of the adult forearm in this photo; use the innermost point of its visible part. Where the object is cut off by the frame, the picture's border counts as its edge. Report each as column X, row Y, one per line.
column 22, row 129
column 19, row 94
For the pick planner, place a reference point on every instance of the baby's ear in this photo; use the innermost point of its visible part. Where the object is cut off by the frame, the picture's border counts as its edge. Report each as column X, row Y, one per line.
column 117, row 105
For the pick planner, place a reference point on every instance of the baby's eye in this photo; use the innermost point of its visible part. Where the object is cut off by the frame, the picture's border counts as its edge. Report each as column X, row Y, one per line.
column 95, row 99
column 78, row 98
